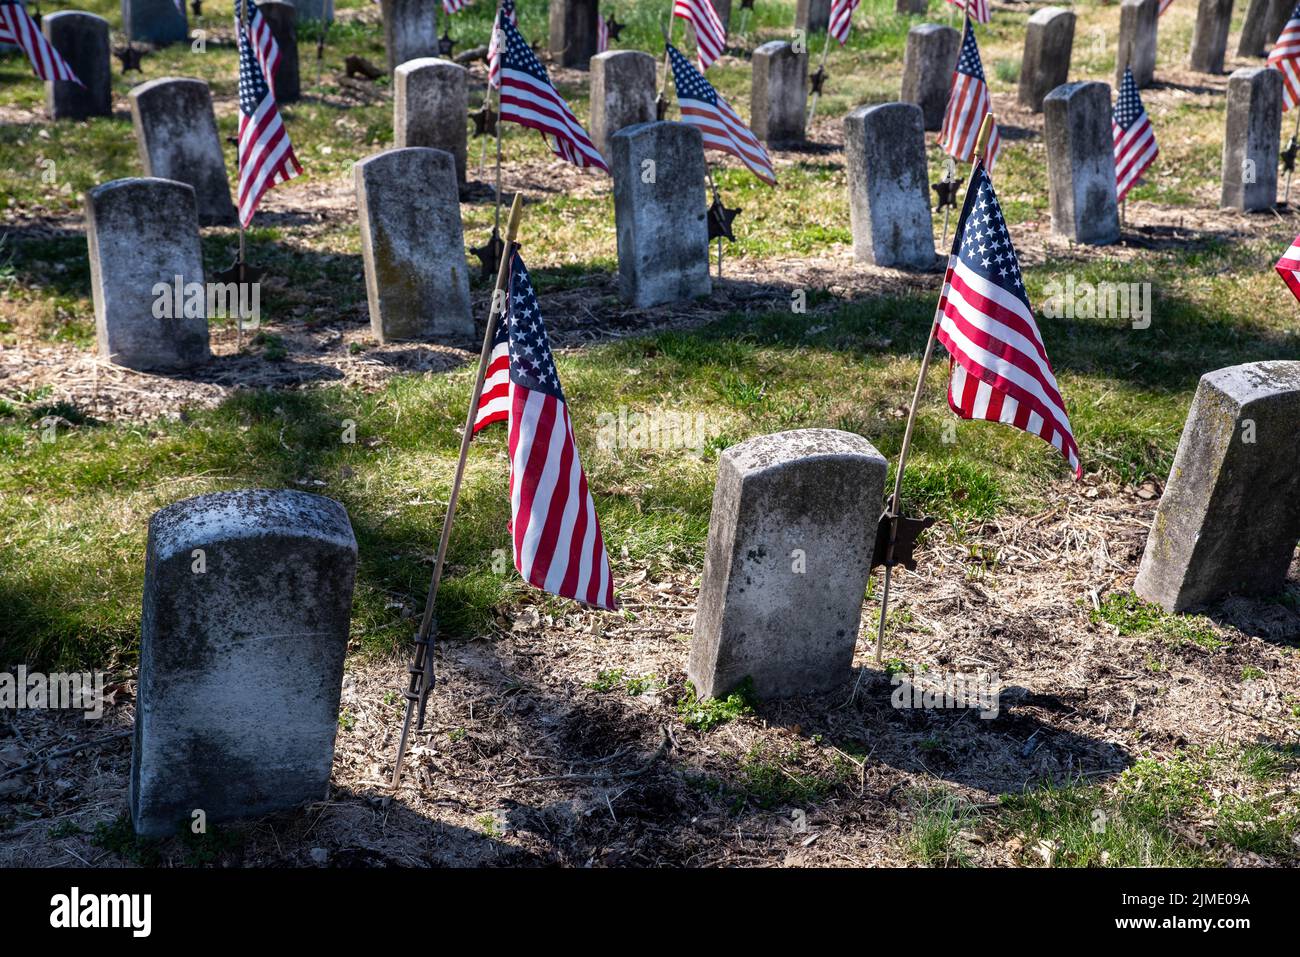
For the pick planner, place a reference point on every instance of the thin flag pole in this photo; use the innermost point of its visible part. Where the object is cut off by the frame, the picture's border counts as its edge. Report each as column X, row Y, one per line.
column 826, row 49
column 1286, row 197
column 239, row 313
column 496, row 216
column 423, row 663
column 668, row 41
column 981, row 144
column 487, row 100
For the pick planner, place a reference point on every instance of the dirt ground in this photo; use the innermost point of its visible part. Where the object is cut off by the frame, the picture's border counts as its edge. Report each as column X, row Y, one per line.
column 523, row 762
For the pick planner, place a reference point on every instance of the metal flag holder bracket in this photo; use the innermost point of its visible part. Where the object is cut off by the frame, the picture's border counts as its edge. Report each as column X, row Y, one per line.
column 421, row 673
column 946, row 194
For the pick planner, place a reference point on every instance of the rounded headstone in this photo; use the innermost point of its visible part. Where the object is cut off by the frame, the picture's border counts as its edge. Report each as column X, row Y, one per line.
column 82, row 40
column 430, row 103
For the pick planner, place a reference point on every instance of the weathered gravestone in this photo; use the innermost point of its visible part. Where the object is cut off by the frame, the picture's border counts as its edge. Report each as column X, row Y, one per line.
column 1081, row 163
column 1229, row 518
column 660, row 213
column 322, row 10
column 155, row 21
column 928, row 62
column 247, row 597
column 911, row 6
column 413, row 245
column 282, row 18
column 1210, row 35
column 176, row 133
column 812, row 16
column 622, row 93
column 1254, row 29
column 430, row 103
column 410, row 30
column 779, row 97
column 889, row 207
column 1138, row 20
column 1049, row 40
column 82, row 40
column 572, row 35
column 1250, row 140
column 791, row 538
column 143, row 232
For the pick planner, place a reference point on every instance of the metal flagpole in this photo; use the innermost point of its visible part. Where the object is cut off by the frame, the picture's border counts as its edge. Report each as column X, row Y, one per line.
column 1295, row 137
column 239, row 313
column 817, row 92
column 981, row 143
column 708, row 169
column 421, row 669
column 661, row 102
column 496, row 216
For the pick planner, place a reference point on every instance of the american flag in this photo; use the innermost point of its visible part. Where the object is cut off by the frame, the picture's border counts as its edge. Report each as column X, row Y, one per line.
column 265, row 154
column 710, row 34
column 494, row 44
column 978, row 9
column 557, row 541
column 703, row 107
column 18, row 27
column 968, row 101
column 265, row 48
column 527, row 98
column 999, row 370
column 454, row 6
column 1288, row 267
column 602, row 33
column 841, row 22
column 1285, row 58
column 1135, row 140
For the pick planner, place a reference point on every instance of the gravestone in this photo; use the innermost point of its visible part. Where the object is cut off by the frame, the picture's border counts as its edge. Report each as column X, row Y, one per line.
column 430, row 103
column 911, row 6
column 282, row 18
column 410, row 30
column 622, row 93
column 928, row 62
column 82, row 40
column 1081, row 163
column 155, row 21
column 1250, row 140
column 247, row 599
column 791, row 538
column 315, row 10
column 812, row 16
column 142, row 232
column 1138, row 20
column 413, row 245
column 660, row 213
column 572, row 37
column 1210, row 35
column 1049, row 39
column 1229, row 517
column 176, row 133
column 779, row 97
column 889, row 192
column 1254, row 29
column 723, row 9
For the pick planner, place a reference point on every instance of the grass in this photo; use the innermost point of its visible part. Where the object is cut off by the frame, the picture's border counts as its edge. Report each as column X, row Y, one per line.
column 1134, row 617
column 938, row 820
column 705, row 714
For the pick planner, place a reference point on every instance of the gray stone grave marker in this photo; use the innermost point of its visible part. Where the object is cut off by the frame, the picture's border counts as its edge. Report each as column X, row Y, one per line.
column 928, row 62
column 1210, row 35
column 282, row 18
column 1081, row 163
column 410, row 30
column 413, row 245
column 1138, row 21
column 155, row 21
column 889, row 203
column 622, row 93
column 812, row 16
column 1251, row 139
column 82, row 40
column 430, row 103
column 791, row 537
column 572, row 32
column 176, row 133
column 140, row 233
column 315, row 10
column 1229, row 518
column 779, row 93
column 247, row 600
column 660, row 213
column 1049, row 40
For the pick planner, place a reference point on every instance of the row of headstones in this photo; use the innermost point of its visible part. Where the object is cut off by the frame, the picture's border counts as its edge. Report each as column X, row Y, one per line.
column 82, row 39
